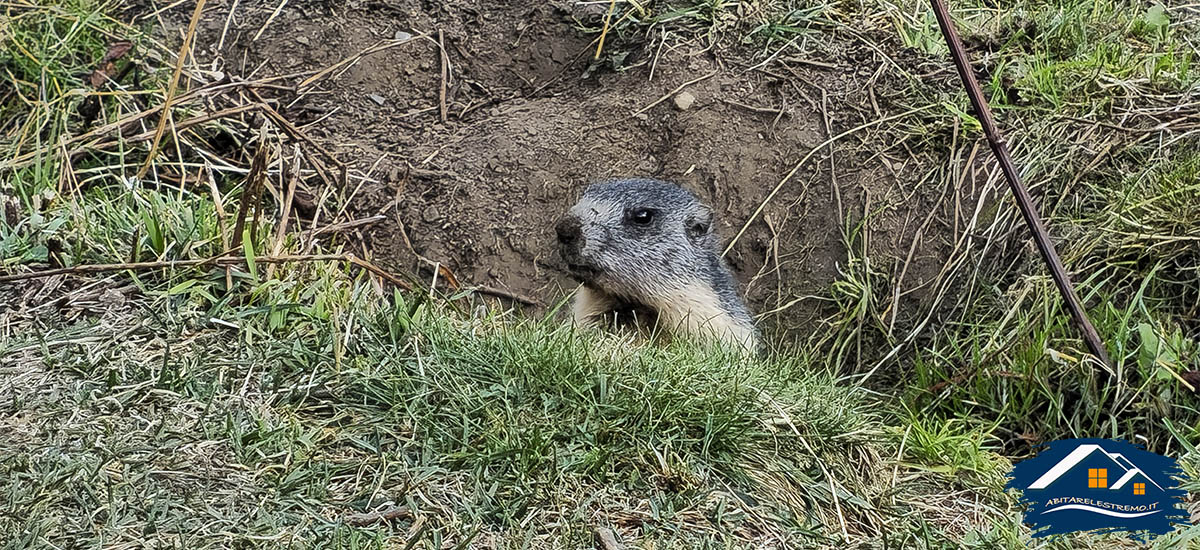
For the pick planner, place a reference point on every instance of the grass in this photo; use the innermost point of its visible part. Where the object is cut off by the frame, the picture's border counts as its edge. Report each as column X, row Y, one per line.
column 483, row 428
column 268, row 406
column 1097, row 99
column 1121, row 217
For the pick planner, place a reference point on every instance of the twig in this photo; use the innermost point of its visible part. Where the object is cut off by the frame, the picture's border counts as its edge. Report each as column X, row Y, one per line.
column 811, row 62
column 1024, row 201
column 753, row 108
column 508, row 295
column 179, row 126
column 415, row 112
column 612, row 6
column 281, row 230
column 657, row 101
column 657, row 53
column 252, row 193
column 159, row 11
column 344, row 226
column 272, row 17
column 218, row 202
column 445, row 61
column 673, row 92
column 833, row 184
column 222, row 225
column 319, row 207
column 427, row 173
column 171, row 88
column 218, row 261
column 225, row 28
column 387, row 514
column 293, row 131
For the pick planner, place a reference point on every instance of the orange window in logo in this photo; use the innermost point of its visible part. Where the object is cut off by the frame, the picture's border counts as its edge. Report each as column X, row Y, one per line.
column 1098, row 478
column 1139, row 488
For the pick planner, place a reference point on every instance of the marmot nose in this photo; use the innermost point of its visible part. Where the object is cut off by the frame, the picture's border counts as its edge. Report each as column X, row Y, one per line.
column 568, row 230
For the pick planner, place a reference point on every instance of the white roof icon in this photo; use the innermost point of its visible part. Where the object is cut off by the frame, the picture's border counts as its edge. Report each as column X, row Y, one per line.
column 1083, row 451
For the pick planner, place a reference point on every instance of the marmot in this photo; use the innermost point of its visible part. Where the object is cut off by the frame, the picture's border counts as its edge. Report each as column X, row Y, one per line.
column 647, row 247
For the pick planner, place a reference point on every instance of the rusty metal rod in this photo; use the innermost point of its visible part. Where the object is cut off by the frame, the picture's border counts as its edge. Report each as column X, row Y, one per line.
column 1024, row 201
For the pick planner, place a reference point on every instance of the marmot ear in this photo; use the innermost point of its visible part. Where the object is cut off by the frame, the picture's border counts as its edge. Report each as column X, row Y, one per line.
column 699, row 224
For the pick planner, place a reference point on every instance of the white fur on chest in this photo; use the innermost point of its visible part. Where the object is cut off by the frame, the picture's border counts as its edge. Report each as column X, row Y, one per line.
column 692, row 310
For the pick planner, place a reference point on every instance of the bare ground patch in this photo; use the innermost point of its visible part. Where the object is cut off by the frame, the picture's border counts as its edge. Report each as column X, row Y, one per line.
column 529, row 122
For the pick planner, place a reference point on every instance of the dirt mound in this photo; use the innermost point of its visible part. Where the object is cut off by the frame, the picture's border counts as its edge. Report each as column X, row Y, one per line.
column 528, row 125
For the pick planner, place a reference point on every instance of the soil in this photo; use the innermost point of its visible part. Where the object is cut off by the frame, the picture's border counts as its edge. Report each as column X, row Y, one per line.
column 531, row 120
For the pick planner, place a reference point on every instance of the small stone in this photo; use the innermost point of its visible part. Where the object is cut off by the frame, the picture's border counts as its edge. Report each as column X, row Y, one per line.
column 684, row 100
column 377, row 98
column 401, row 35
column 431, row 214
column 303, row 40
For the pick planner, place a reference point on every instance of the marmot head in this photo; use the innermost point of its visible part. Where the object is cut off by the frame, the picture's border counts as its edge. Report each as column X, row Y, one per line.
column 635, row 238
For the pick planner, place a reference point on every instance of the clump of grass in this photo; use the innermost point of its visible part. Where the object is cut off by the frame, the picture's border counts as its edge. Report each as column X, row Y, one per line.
column 84, row 207
column 1124, row 227
column 481, row 426
column 768, row 26
column 518, row 404
column 71, row 193
column 1145, row 231
column 1090, row 95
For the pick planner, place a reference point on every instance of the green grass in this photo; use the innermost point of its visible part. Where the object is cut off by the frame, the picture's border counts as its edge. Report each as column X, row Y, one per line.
column 254, row 408
column 166, row 425
column 1064, row 77
column 1097, row 100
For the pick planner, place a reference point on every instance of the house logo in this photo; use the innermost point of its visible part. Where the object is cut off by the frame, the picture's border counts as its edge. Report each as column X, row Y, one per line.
column 1099, row 485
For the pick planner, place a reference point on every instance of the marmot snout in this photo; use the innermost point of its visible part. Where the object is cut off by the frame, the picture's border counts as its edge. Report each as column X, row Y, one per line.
column 648, row 247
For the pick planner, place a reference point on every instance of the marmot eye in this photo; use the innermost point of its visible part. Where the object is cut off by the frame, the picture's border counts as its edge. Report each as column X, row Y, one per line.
column 641, row 216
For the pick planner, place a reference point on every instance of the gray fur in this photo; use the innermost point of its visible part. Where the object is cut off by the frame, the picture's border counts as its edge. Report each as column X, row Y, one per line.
column 639, row 264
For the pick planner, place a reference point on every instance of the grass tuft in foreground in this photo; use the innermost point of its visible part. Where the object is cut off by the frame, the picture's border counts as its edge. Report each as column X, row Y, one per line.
column 479, row 427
